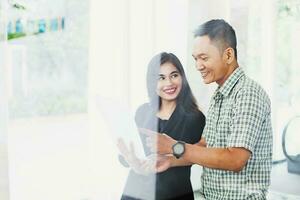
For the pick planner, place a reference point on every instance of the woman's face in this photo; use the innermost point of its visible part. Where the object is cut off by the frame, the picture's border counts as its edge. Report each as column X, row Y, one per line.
column 169, row 82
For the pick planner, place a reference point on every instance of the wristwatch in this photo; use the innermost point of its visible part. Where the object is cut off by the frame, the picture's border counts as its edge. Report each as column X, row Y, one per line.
column 178, row 149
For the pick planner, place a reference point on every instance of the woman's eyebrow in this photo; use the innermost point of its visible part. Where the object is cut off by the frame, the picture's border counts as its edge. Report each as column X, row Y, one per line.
column 174, row 72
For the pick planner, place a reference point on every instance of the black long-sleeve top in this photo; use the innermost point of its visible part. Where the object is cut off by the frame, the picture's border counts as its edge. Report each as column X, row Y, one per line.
column 175, row 182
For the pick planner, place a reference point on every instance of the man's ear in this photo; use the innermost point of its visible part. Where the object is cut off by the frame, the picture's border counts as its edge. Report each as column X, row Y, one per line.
column 229, row 55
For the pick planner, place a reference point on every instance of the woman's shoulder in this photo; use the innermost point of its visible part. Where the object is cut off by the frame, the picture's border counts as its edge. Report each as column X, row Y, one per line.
column 196, row 119
column 194, row 124
column 196, row 115
column 142, row 109
column 199, row 118
column 199, row 115
column 143, row 112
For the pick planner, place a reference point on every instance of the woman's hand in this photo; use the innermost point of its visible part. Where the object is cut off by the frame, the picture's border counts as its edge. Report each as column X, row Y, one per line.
column 154, row 163
column 139, row 166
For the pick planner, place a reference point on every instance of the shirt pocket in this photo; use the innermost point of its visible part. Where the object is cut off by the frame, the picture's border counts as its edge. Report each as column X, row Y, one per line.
column 224, row 126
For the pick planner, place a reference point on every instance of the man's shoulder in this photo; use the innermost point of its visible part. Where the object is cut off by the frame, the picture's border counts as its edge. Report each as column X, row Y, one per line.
column 246, row 85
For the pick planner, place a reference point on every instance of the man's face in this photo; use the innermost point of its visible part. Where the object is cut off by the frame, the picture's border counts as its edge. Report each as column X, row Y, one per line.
column 210, row 62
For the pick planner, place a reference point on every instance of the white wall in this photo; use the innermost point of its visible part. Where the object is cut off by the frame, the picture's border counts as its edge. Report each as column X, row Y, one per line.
column 4, row 189
column 4, row 181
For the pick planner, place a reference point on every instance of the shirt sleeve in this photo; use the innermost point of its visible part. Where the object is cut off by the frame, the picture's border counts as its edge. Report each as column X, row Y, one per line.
column 249, row 113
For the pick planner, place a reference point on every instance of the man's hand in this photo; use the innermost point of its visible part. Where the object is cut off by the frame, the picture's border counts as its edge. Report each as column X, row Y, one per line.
column 158, row 142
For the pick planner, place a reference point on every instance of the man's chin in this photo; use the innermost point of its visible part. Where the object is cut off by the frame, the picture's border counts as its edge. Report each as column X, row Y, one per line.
column 207, row 81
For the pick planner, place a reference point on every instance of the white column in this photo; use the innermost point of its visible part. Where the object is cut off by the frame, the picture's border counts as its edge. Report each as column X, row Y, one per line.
column 268, row 67
column 4, row 182
column 4, row 179
column 107, row 76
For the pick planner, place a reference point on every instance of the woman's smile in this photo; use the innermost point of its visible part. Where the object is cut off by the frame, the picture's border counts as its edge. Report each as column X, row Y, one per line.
column 170, row 90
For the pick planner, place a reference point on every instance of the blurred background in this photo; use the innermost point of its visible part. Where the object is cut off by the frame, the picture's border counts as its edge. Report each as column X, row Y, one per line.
column 57, row 56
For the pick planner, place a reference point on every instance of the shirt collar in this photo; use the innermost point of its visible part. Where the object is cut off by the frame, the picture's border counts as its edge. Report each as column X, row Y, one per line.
column 225, row 89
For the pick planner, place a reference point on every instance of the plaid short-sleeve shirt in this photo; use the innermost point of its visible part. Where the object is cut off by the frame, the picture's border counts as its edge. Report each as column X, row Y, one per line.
column 239, row 116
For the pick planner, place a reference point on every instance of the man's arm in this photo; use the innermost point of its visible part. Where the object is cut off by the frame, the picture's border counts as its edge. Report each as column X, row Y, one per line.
column 171, row 161
column 233, row 158
column 202, row 142
column 183, row 162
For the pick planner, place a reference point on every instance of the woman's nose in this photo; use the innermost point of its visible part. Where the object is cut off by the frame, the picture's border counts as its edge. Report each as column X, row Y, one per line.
column 168, row 81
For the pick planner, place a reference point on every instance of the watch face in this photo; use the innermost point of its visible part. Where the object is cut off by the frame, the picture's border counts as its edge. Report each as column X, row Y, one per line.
column 178, row 148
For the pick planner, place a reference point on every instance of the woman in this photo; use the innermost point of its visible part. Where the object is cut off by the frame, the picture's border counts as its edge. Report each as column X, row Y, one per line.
column 172, row 110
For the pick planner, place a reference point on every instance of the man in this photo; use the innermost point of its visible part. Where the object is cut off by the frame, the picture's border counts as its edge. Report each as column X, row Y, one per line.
column 236, row 148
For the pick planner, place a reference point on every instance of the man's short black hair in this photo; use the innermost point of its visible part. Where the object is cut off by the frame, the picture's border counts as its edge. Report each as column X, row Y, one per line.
column 219, row 32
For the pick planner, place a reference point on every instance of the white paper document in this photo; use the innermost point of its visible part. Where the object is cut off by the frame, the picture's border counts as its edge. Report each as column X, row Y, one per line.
column 121, row 124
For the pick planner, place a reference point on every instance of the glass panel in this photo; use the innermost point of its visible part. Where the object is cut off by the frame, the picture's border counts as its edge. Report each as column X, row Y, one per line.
column 287, row 82
column 48, row 57
column 47, row 90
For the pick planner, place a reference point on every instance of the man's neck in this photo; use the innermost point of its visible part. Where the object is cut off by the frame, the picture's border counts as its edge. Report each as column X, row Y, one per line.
column 231, row 69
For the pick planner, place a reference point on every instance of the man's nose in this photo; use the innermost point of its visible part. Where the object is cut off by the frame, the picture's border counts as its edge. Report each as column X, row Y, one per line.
column 199, row 65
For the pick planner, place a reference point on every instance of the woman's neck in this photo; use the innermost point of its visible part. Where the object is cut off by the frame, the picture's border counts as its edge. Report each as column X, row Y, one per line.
column 166, row 109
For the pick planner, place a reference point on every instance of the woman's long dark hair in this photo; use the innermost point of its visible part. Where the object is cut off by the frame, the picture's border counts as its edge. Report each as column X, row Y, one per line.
column 185, row 98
